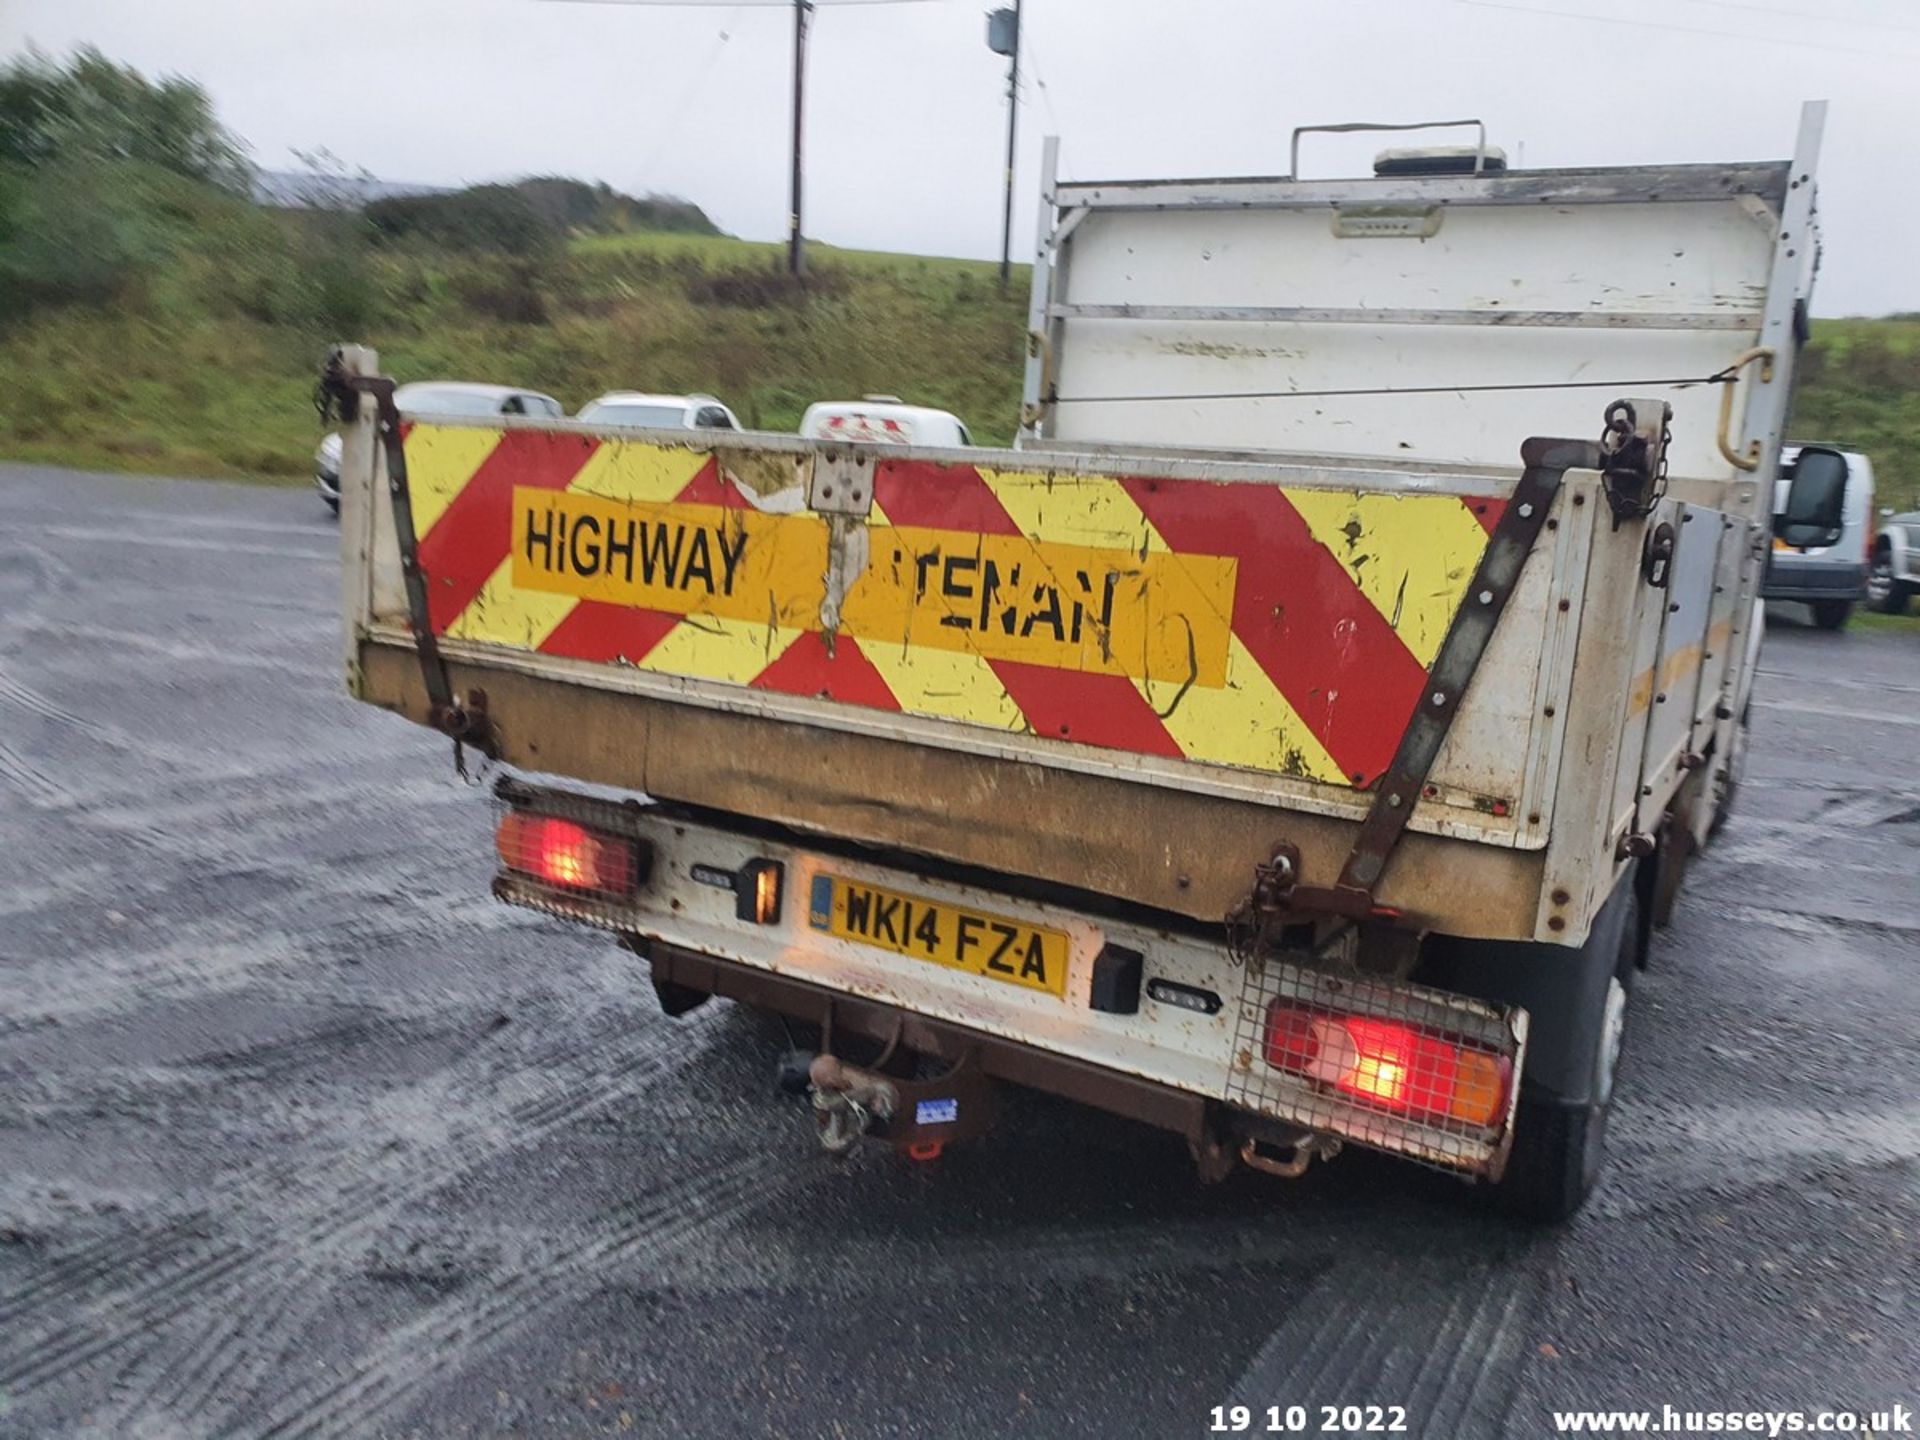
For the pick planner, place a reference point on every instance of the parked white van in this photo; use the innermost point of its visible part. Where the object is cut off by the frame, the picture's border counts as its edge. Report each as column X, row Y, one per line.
column 883, row 420
column 1822, row 568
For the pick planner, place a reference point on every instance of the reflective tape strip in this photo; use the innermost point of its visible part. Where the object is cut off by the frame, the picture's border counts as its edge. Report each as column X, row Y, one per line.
column 713, row 647
column 1337, row 661
column 639, row 472
column 1247, row 722
column 843, row 672
column 506, row 615
column 441, row 460
column 594, row 630
column 1094, row 710
column 946, row 684
column 1410, row 555
column 472, row 533
column 1285, row 632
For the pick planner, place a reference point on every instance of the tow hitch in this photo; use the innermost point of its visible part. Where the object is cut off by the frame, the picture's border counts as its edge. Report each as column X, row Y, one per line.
column 1287, row 1162
column 917, row 1115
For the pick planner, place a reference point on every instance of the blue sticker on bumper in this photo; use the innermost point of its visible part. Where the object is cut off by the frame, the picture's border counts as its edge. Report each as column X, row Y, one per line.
column 936, row 1112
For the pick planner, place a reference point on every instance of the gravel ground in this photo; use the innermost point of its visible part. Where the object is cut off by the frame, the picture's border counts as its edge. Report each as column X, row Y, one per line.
column 303, row 1135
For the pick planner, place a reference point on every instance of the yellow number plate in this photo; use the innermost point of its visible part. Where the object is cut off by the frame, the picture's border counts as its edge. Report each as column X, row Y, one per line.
column 911, row 925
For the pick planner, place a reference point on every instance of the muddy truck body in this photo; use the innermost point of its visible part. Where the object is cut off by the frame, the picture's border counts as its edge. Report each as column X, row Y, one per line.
column 1289, row 743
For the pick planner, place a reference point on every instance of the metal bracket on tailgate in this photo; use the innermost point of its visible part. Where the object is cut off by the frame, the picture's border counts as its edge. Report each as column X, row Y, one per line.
column 1278, row 896
column 338, row 394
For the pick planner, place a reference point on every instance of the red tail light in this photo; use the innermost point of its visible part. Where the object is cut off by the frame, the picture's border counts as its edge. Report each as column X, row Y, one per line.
column 1402, row 1068
column 568, row 855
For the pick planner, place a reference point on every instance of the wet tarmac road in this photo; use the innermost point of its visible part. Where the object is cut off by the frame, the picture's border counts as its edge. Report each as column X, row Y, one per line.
column 303, row 1135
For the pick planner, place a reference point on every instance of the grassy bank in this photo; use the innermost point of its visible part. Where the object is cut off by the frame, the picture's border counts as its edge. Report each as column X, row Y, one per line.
column 1860, row 387
column 1908, row 624
column 178, row 380
column 186, row 377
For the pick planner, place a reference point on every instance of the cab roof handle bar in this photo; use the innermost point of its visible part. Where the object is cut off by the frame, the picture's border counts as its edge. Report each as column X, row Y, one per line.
column 1479, row 159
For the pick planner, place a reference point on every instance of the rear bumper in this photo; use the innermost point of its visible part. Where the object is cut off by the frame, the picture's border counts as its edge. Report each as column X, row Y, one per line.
column 840, row 1014
column 1183, row 1046
column 1801, row 579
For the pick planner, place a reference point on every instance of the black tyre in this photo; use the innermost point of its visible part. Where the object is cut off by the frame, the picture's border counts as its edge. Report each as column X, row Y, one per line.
column 1884, row 593
column 333, row 503
column 1559, row 1145
column 1832, row 614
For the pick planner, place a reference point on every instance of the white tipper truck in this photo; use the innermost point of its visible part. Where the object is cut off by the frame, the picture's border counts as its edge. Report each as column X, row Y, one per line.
column 1290, row 742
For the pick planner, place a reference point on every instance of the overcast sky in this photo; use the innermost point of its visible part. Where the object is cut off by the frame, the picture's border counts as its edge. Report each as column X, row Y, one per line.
column 905, row 112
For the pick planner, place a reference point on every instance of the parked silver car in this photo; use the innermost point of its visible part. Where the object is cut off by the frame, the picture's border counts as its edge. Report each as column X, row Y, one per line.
column 1893, row 575
column 437, row 397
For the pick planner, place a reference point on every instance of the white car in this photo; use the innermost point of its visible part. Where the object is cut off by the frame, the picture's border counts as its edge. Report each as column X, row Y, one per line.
column 437, row 397
column 641, row 411
column 884, row 420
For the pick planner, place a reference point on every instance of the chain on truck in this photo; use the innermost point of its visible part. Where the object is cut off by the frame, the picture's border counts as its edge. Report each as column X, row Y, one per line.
column 1290, row 743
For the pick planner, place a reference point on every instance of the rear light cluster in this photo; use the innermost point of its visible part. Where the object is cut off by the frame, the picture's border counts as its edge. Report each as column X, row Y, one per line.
column 1421, row 1072
column 1387, row 1065
column 579, row 856
column 570, row 856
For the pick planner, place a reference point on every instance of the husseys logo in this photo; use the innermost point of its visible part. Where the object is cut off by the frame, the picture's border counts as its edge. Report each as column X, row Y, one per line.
column 1156, row 616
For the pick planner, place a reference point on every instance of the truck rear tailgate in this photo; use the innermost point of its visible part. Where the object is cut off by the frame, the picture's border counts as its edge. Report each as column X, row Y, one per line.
column 1106, row 673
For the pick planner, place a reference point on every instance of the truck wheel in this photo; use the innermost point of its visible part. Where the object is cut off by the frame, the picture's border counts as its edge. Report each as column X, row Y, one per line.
column 1577, row 1001
column 1560, row 1145
column 1832, row 614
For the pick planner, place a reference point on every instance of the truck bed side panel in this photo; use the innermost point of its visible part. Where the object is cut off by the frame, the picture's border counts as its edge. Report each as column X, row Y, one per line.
column 1667, row 692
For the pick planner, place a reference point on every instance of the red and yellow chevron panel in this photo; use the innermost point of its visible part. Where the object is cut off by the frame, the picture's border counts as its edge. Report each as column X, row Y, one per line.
column 1279, row 630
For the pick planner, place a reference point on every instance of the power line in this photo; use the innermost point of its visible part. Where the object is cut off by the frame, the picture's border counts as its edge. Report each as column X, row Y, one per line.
column 1617, row 21
column 1748, row 6
column 1040, row 83
column 679, row 111
column 730, row 4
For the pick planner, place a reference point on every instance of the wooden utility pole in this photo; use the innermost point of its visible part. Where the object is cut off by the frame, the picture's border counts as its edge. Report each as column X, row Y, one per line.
column 796, row 245
column 997, row 38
